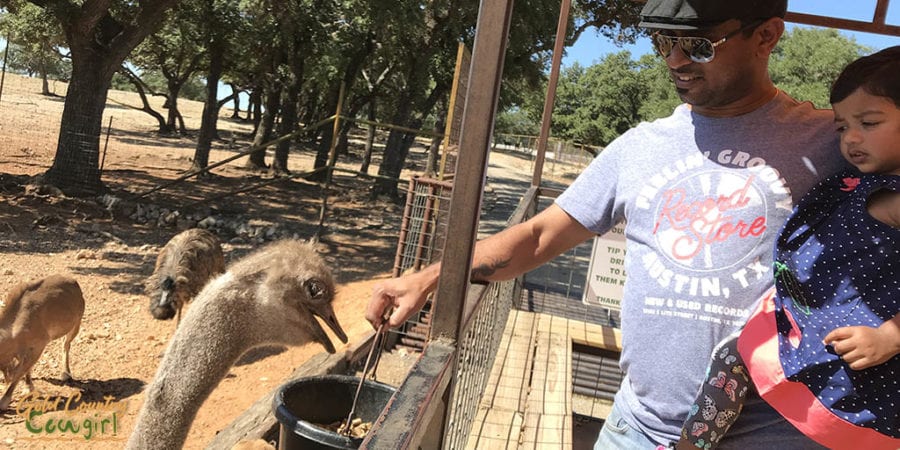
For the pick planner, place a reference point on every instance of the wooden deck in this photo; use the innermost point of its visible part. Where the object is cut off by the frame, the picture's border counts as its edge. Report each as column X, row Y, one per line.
column 528, row 401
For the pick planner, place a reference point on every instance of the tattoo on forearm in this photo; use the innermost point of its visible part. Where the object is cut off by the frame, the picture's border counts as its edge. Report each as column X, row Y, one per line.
column 485, row 270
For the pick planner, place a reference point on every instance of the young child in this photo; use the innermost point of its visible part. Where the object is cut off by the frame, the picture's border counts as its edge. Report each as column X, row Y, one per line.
column 824, row 348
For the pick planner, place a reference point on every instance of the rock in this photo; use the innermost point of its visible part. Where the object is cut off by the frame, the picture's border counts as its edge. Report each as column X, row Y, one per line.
column 86, row 254
column 207, row 223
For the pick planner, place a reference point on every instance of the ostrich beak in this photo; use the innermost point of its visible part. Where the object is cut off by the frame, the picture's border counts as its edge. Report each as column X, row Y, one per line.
column 326, row 313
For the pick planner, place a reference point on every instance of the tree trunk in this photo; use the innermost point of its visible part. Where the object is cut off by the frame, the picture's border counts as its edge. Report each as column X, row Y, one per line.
column 256, row 102
column 325, row 136
column 370, row 140
column 161, row 121
column 42, row 70
column 75, row 168
column 398, row 143
column 254, row 109
column 210, row 108
column 45, row 84
column 394, row 151
column 98, row 45
column 172, row 104
column 431, row 166
column 391, row 165
column 263, row 134
column 287, row 126
column 236, row 112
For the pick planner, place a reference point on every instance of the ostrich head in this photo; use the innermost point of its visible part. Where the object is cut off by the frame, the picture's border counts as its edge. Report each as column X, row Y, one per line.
column 297, row 287
column 315, row 300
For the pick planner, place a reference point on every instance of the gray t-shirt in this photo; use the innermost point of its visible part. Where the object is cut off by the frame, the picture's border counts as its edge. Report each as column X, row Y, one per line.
column 703, row 199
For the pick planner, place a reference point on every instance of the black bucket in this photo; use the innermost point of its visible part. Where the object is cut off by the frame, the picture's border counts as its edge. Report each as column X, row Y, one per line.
column 323, row 400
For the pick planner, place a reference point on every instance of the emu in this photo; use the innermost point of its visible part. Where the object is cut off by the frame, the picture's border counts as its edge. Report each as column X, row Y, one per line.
column 268, row 297
column 186, row 263
column 36, row 313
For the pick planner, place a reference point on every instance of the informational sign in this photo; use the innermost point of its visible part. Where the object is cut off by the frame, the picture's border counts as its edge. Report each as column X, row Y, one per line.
column 606, row 272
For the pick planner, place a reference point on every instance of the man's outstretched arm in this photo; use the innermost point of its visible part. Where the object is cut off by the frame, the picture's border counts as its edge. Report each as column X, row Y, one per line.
column 503, row 256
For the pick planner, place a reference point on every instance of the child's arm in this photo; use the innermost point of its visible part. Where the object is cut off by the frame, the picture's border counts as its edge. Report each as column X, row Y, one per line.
column 720, row 399
column 863, row 347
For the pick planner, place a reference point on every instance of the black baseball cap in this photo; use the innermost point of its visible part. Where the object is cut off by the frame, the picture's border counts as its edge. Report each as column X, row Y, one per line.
column 697, row 14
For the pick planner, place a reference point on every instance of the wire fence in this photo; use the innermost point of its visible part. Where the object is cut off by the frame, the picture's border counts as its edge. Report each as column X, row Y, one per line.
column 423, row 231
column 558, row 150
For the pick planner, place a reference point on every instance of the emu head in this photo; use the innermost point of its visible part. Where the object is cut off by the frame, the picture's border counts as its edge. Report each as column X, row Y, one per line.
column 163, row 306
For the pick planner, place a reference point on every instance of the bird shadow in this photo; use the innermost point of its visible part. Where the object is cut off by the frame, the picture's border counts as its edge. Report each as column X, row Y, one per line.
column 255, row 354
column 93, row 391
column 92, row 395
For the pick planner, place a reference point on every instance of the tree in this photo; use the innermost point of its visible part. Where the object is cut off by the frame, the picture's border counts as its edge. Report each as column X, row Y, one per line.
column 176, row 51
column 661, row 97
column 100, row 34
column 597, row 104
column 522, row 96
column 37, row 38
column 220, row 27
column 807, row 60
column 424, row 51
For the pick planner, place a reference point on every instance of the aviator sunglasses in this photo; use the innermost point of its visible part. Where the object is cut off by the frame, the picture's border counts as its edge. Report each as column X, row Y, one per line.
column 698, row 49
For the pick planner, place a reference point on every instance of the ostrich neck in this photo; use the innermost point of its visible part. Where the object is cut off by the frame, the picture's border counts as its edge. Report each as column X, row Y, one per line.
column 211, row 337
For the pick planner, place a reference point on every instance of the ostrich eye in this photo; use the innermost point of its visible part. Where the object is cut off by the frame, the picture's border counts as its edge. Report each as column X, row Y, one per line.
column 315, row 288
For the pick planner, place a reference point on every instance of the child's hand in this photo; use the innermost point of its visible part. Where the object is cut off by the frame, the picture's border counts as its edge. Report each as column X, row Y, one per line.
column 860, row 346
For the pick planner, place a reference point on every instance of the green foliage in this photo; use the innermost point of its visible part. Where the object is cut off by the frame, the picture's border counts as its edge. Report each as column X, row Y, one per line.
column 515, row 121
column 661, row 96
column 193, row 88
column 614, row 19
column 120, row 83
column 598, row 103
column 37, row 40
column 807, row 60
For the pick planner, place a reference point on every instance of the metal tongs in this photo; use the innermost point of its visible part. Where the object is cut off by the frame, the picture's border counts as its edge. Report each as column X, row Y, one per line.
column 377, row 342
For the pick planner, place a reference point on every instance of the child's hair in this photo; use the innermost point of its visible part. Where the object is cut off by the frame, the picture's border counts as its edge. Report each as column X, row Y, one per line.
column 876, row 74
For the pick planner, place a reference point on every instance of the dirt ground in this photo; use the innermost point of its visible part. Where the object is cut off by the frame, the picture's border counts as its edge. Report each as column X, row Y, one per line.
column 111, row 253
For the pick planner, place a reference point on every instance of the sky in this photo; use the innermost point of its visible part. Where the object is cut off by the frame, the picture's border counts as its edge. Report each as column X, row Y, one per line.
column 591, row 47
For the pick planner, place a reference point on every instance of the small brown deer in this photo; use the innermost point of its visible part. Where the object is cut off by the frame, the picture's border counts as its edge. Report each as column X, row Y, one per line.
column 36, row 313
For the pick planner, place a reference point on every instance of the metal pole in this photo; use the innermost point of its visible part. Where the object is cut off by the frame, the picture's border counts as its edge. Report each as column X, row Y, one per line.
column 550, row 99
column 332, row 160
column 105, row 145
column 485, row 75
column 5, row 57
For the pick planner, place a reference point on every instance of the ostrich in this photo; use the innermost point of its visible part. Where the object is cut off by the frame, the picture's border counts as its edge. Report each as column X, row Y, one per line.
column 183, row 267
column 268, row 297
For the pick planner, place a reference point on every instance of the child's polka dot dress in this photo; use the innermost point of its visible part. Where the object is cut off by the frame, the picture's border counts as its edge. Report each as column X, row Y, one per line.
column 838, row 266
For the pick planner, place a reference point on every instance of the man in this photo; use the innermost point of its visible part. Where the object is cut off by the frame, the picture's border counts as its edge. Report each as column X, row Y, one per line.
column 703, row 193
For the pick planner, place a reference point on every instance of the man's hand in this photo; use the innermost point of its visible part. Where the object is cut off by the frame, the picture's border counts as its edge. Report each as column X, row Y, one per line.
column 406, row 295
column 861, row 346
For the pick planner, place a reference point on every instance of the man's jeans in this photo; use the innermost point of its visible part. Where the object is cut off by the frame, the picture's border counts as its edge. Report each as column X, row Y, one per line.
column 617, row 435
